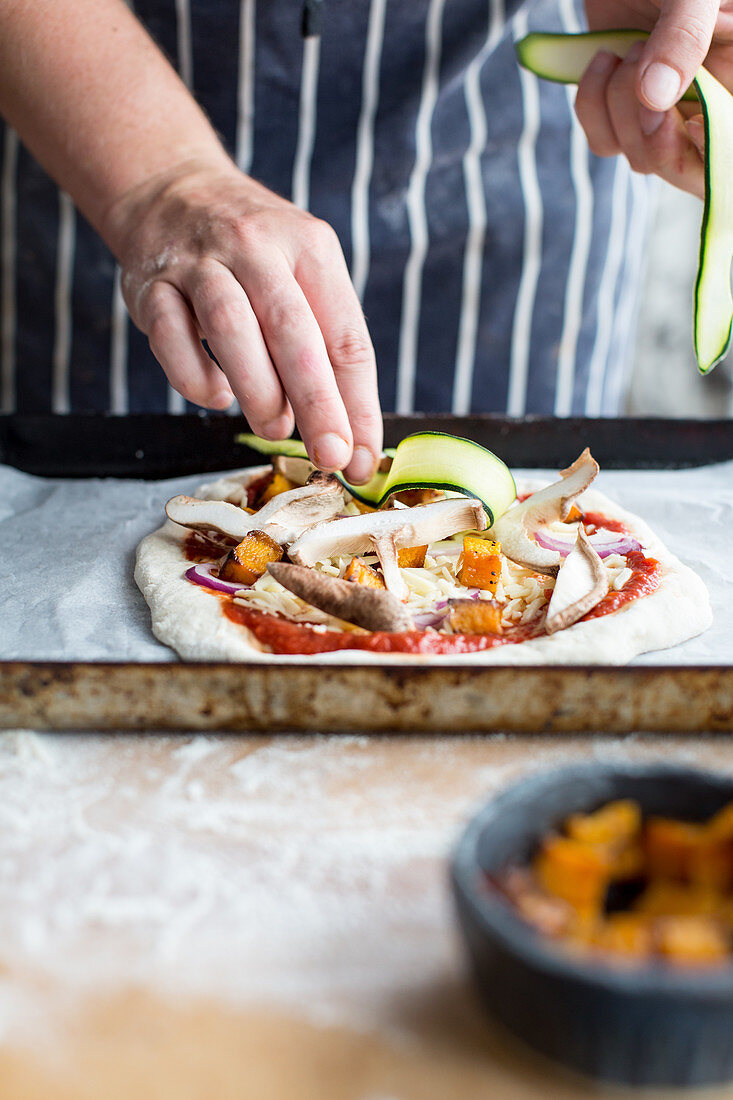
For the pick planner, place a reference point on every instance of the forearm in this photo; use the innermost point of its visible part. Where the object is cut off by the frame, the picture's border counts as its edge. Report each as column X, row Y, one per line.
column 205, row 251
column 97, row 103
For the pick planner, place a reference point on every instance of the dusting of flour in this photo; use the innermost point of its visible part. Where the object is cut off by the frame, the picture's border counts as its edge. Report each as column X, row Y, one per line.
column 302, row 872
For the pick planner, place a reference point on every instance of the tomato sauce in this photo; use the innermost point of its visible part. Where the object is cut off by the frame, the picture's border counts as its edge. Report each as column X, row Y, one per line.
column 198, row 548
column 256, row 488
column 597, row 519
column 283, row 636
column 646, row 574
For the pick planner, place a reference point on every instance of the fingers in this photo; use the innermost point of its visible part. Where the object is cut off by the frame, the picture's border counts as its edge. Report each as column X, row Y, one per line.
column 653, row 141
column 323, row 275
column 615, row 122
column 591, row 106
column 166, row 320
column 676, row 49
column 297, row 349
column 226, row 319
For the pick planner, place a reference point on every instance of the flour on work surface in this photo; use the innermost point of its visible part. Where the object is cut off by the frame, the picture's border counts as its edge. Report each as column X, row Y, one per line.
column 302, row 873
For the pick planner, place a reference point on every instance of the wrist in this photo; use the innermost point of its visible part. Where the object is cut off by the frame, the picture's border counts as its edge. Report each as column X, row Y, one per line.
column 178, row 183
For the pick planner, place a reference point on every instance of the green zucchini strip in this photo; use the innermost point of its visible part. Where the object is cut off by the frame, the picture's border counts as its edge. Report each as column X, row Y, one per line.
column 291, row 448
column 564, row 58
column 436, row 460
column 425, row 460
column 713, row 297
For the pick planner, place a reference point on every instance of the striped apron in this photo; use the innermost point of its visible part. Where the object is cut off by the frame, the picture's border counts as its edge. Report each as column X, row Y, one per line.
column 497, row 260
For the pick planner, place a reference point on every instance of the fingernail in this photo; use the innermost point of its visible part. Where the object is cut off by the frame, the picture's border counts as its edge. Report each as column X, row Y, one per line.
column 650, row 121
column 362, row 465
column 331, row 452
column 602, row 63
column 634, row 53
column 279, row 428
column 661, row 86
column 696, row 131
column 222, row 400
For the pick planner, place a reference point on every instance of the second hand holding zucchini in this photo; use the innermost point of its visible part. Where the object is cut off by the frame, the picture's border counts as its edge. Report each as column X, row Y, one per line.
column 564, row 58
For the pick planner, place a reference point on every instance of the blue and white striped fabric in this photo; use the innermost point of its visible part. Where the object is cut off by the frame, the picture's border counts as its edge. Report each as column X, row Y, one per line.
column 498, row 261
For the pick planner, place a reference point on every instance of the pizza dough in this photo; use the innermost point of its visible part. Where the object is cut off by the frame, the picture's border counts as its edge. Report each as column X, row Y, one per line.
column 190, row 620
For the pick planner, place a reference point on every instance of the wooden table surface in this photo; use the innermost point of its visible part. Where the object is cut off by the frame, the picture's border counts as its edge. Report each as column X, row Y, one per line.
column 267, row 917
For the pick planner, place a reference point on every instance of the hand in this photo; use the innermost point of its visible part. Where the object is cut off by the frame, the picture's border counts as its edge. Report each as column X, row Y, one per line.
column 629, row 106
column 210, row 254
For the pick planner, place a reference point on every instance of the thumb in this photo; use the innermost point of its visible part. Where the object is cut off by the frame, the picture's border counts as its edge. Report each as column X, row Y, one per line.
column 675, row 51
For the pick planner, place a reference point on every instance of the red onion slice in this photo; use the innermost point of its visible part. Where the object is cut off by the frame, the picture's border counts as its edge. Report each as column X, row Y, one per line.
column 424, row 619
column 604, row 543
column 201, row 574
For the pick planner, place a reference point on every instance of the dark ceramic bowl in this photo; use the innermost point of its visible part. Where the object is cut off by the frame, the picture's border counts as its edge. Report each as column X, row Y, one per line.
column 638, row 1025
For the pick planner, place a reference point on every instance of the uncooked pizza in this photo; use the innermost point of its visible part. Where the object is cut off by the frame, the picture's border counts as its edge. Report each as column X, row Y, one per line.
column 441, row 557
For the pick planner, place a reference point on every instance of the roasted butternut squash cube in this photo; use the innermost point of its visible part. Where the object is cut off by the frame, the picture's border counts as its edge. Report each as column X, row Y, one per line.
column 249, row 558
column 672, row 848
column 614, row 824
column 360, row 573
column 411, row 557
column 575, row 871
column 574, row 514
column 617, row 828
column 627, row 934
column 713, row 867
column 480, row 563
column 279, row 484
column 691, row 941
column 677, row 899
column 720, row 825
column 362, row 507
column 475, row 616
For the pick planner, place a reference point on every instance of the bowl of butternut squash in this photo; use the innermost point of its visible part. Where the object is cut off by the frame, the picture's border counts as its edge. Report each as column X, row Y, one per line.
column 596, row 902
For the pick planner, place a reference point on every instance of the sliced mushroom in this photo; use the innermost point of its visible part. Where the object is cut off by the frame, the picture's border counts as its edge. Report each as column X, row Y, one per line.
column 207, row 516
column 283, row 518
column 297, row 470
column 388, row 531
column 514, row 529
column 371, row 608
column 581, row 584
column 287, row 515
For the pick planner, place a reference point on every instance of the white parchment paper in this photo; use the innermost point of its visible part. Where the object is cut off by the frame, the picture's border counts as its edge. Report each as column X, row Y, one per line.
column 67, row 552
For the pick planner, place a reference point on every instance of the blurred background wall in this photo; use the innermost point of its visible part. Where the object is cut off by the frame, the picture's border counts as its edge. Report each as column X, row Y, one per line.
column 665, row 380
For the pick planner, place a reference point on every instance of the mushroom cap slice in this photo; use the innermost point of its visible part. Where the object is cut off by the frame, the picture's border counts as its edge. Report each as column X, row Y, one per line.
column 288, row 514
column 417, row 526
column 295, row 469
column 514, row 529
column 283, row 518
column 581, row 584
column 372, row 608
column 217, row 516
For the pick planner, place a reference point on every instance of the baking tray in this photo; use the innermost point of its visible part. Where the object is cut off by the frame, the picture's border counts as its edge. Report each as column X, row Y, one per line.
column 159, row 446
column 304, row 696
